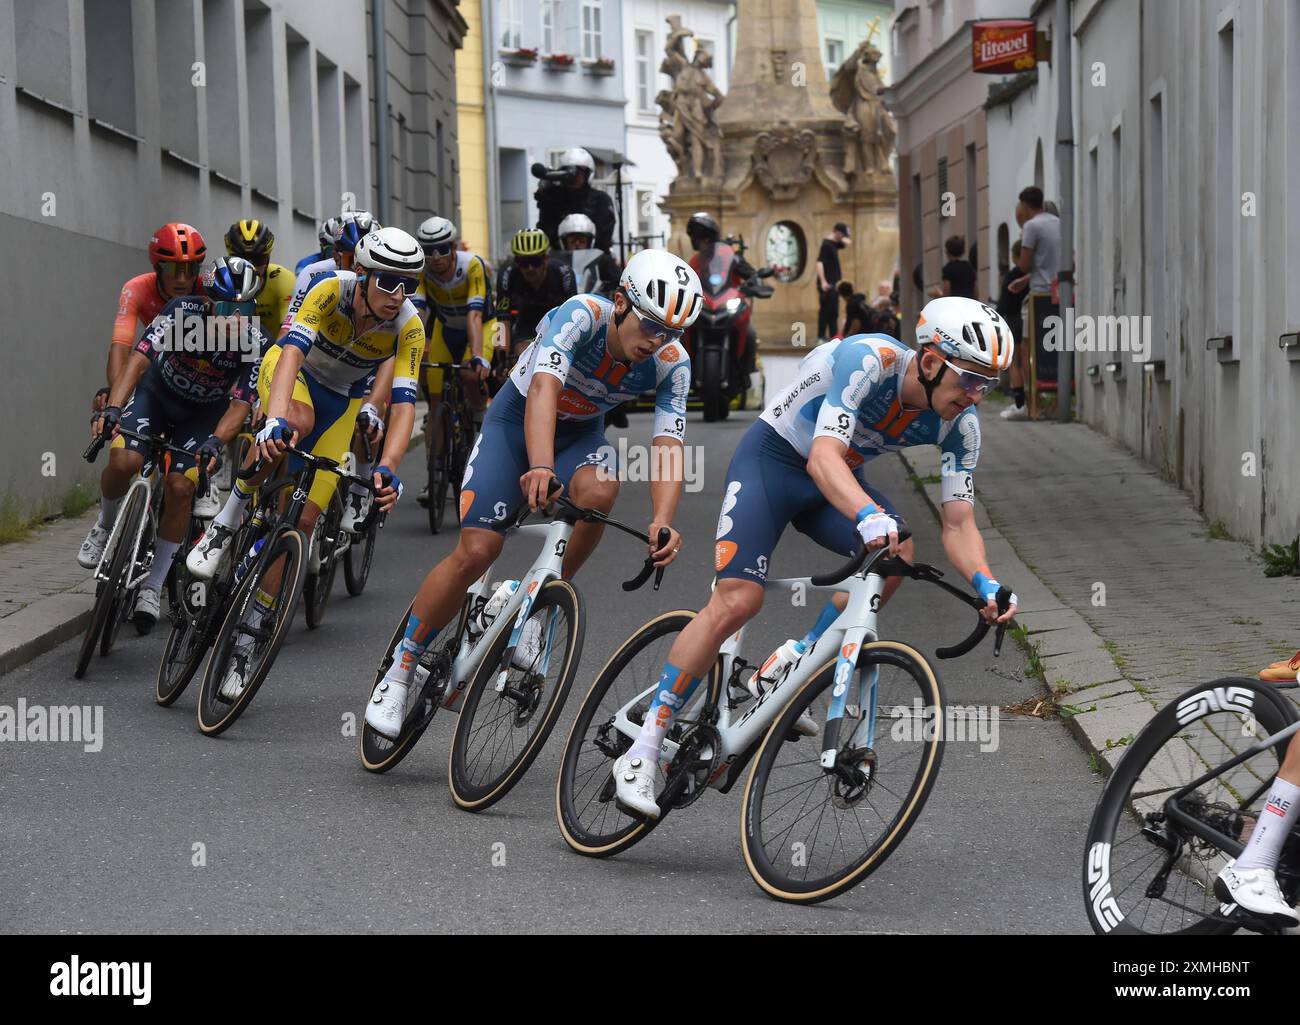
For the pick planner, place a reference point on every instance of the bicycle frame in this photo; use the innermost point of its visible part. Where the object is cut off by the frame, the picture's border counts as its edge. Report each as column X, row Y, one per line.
column 546, row 567
column 855, row 626
column 150, row 518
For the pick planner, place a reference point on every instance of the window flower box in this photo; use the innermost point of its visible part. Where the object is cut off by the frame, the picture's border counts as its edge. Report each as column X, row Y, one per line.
column 559, row 61
column 521, row 58
column 599, row 66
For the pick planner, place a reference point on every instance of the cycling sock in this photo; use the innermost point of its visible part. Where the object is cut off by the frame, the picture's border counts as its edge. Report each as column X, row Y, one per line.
column 162, row 563
column 233, row 511
column 258, row 609
column 108, row 511
column 1019, row 394
column 675, row 688
column 410, row 649
column 1273, row 827
column 824, row 620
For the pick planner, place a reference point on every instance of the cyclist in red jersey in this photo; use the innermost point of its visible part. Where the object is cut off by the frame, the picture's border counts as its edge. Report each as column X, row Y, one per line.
column 176, row 251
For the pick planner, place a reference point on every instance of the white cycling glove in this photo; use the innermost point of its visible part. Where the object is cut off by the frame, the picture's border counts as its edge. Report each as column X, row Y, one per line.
column 876, row 525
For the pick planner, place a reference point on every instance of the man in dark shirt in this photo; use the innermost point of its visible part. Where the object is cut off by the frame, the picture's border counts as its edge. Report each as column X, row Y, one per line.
column 528, row 287
column 828, row 276
column 859, row 318
column 958, row 274
column 555, row 201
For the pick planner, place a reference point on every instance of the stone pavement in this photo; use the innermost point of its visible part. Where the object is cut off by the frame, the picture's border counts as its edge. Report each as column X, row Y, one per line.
column 1127, row 599
column 45, row 597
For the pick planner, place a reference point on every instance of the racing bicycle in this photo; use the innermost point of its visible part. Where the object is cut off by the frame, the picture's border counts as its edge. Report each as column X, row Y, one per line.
column 818, row 815
column 1182, row 800
column 129, row 551
column 507, row 706
column 450, row 440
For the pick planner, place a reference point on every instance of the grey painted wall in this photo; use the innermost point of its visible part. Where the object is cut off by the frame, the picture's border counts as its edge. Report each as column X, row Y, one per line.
column 106, row 137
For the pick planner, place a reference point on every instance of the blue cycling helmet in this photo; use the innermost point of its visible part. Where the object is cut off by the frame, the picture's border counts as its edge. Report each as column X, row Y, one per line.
column 356, row 226
column 232, row 279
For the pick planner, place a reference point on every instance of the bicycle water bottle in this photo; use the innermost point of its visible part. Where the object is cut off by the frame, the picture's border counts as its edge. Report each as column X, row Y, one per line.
column 248, row 559
column 505, row 590
column 777, row 666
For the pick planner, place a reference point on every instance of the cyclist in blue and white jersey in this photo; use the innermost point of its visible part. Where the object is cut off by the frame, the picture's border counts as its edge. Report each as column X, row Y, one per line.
column 802, row 463
column 590, row 354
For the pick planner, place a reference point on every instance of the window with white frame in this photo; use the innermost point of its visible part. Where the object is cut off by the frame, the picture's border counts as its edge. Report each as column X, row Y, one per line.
column 834, row 55
column 512, row 25
column 548, row 26
column 645, row 90
column 591, row 17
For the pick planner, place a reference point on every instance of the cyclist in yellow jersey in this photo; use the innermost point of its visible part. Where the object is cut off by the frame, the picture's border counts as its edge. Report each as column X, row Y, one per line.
column 253, row 240
column 454, row 299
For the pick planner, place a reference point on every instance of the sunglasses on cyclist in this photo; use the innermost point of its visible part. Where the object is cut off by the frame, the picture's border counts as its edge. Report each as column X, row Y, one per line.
column 653, row 329
column 172, row 269
column 973, row 384
column 529, row 261
column 233, row 308
column 441, row 250
column 387, row 281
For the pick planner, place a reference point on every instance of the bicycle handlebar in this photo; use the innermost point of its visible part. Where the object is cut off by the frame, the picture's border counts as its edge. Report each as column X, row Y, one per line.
column 521, row 512
column 876, row 562
column 155, row 441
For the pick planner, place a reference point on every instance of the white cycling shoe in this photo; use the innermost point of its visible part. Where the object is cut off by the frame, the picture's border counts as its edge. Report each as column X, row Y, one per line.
column 529, row 648
column 148, row 607
column 1255, row 890
column 355, row 508
column 207, row 506
column 387, row 708
column 236, row 677
column 205, row 557
column 637, row 781
column 92, row 549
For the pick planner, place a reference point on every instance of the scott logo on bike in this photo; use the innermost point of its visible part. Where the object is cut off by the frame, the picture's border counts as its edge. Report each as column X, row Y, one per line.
column 1216, row 699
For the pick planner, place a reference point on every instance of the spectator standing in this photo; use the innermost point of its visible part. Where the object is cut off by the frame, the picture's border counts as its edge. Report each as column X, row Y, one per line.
column 828, row 277
column 1009, row 302
column 1039, row 263
column 958, row 274
column 858, row 316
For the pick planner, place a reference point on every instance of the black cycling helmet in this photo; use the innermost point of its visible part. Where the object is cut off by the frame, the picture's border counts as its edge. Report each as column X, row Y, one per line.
column 702, row 227
column 250, row 239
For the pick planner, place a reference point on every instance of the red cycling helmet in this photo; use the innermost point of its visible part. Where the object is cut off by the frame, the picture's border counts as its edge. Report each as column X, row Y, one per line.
column 177, row 243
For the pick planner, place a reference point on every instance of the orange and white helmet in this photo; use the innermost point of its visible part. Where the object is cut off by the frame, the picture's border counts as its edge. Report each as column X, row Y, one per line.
column 967, row 329
column 663, row 287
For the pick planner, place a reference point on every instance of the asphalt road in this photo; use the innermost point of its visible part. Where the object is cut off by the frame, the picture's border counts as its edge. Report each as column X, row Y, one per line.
column 295, row 836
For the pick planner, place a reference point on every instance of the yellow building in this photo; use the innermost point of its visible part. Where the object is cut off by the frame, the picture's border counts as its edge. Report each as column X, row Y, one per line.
column 472, row 133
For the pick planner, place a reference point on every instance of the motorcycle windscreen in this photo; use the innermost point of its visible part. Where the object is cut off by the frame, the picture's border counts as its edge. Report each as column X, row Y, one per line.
column 717, row 276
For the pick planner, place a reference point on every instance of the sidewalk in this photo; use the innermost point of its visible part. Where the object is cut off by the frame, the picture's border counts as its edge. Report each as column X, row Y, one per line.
column 45, row 597
column 1126, row 598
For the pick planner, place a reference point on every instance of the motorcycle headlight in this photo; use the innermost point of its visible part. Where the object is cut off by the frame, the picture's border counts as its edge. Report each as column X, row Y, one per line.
column 734, row 303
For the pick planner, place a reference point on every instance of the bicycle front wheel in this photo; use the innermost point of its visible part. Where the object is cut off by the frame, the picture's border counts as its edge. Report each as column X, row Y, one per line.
column 810, row 833
column 319, row 584
column 251, row 651
column 356, row 560
column 108, row 592
column 511, row 705
column 439, row 461
column 1143, row 872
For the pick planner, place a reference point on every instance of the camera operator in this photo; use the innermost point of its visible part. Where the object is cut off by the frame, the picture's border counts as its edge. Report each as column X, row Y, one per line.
column 567, row 190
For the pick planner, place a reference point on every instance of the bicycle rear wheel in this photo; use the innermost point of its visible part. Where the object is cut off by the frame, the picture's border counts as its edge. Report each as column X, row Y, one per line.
column 380, row 753
column 590, row 819
column 809, row 834
column 319, row 584
column 439, row 462
column 510, row 709
column 107, row 592
column 288, row 551
column 1144, row 874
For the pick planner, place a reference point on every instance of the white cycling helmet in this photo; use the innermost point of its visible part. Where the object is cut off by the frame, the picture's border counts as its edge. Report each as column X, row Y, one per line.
column 436, row 231
column 663, row 287
column 390, row 249
column 329, row 231
column 967, row 329
column 578, row 157
column 577, row 224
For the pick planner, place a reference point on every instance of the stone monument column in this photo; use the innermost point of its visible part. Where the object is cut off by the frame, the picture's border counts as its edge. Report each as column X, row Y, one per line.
column 798, row 154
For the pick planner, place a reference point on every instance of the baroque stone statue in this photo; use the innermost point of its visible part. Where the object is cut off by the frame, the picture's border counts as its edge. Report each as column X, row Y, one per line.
column 686, row 122
column 869, row 128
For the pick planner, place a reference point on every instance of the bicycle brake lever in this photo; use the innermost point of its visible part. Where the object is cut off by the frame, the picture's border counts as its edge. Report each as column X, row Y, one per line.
column 663, row 537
